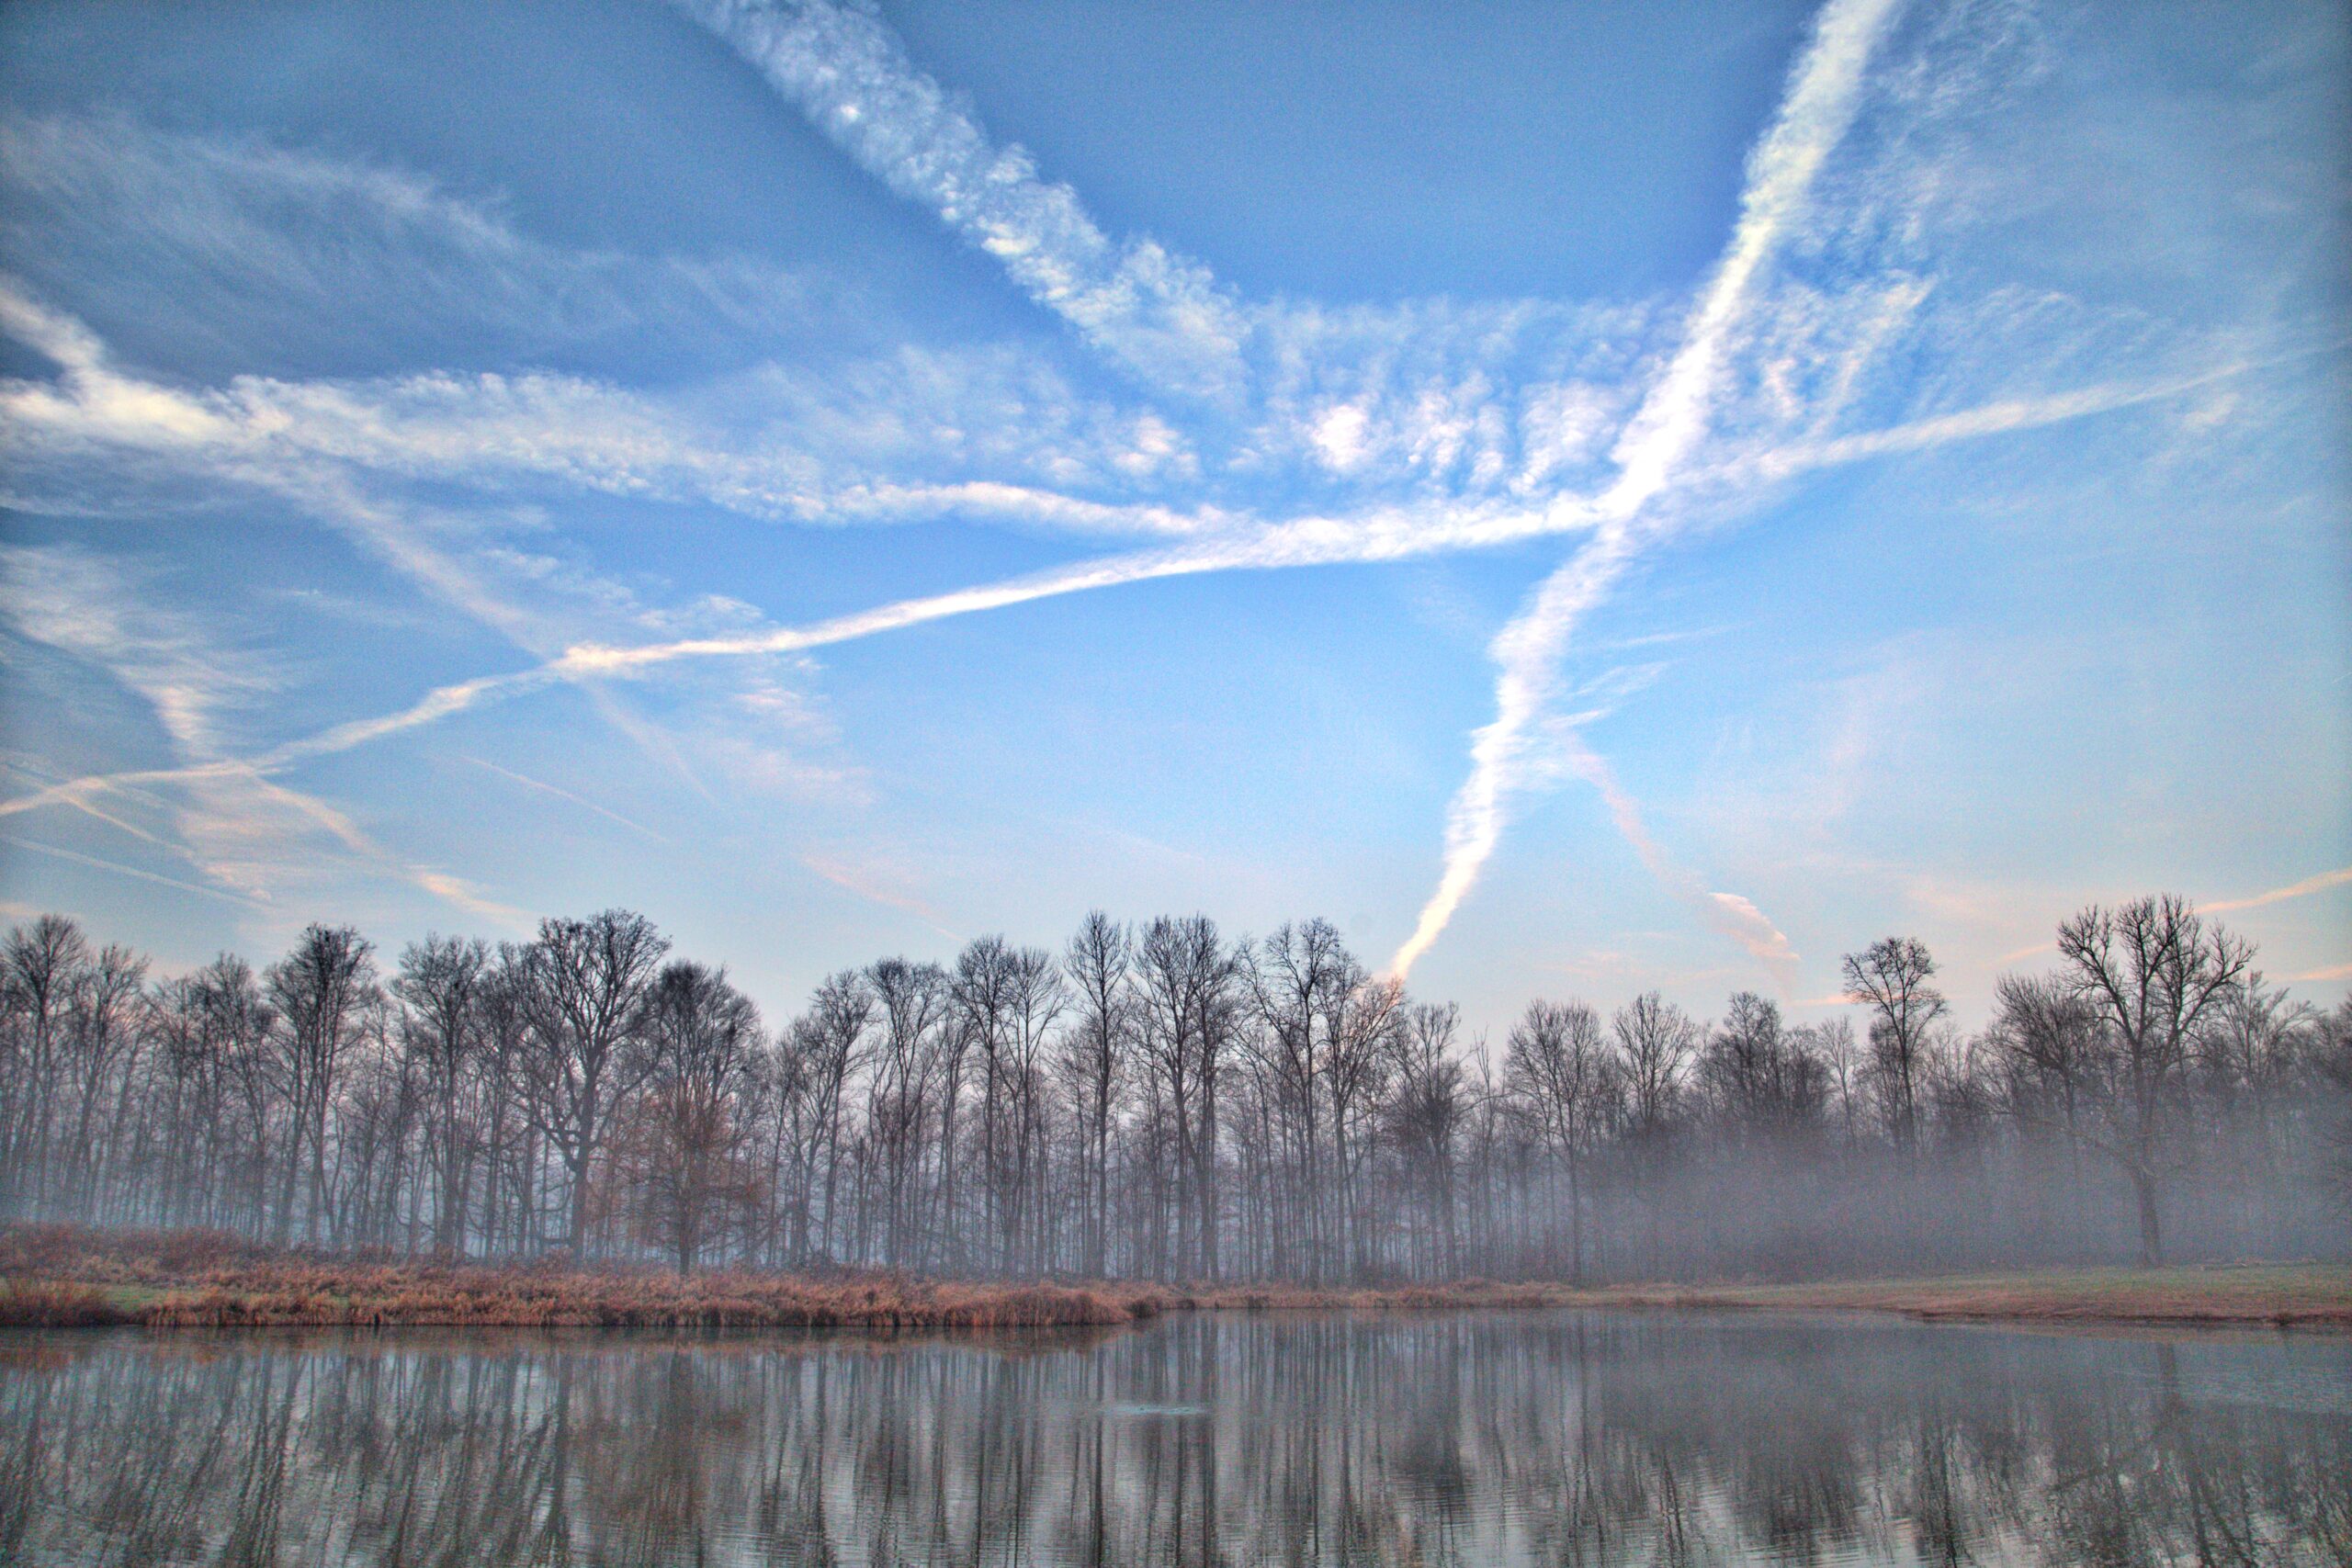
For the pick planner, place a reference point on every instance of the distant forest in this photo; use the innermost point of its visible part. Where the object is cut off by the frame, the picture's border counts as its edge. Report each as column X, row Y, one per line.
column 1159, row 1101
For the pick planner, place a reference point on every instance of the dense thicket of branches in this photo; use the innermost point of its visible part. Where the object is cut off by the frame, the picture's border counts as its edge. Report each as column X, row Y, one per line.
column 1163, row 1101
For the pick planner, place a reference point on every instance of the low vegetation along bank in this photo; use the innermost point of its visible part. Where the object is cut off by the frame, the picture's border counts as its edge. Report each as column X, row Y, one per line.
column 59, row 1277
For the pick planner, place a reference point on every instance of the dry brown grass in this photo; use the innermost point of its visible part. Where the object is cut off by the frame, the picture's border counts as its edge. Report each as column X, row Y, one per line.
column 55, row 1276
column 200, row 1279
column 47, row 1303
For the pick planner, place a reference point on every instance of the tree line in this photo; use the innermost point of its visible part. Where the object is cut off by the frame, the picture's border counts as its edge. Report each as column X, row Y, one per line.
column 1163, row 1101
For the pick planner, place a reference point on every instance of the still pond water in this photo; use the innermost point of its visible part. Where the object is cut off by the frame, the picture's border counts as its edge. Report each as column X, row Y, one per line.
column 1489, row 1438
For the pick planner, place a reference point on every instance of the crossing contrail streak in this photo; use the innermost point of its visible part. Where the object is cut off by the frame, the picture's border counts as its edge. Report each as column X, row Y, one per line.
column 1390, row 536
column 1671, row 421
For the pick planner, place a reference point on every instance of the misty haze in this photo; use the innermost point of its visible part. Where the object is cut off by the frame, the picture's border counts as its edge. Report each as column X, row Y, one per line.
column 874, row 782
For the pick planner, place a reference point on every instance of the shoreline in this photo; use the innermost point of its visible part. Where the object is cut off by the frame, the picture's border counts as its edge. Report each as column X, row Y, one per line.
column 58, row 1277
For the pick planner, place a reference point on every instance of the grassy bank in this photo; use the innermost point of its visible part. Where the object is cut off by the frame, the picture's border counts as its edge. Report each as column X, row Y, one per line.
column 2283, row 1295
column 55, row 1276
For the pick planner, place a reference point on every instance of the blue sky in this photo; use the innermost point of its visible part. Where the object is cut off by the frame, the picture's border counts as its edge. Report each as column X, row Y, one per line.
column 1587, row 498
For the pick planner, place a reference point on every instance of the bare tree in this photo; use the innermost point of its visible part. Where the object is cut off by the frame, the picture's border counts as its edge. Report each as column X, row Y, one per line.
column 2048, row 1032
column 1189, row 981
column 1762, row 1082
column 1656, row 1043
column 1558, row 1069
column 1365, row 1014
column 1841, row 1059
column 1891, row 976
column 982, row 993
column 320, row 991
column 2156, row 975
column 1095, row 1051
column 913, row 1000
column 583, row 982
column 440, row 981
column 41, row 962
column 1297, row 978
column 703, row 1046
column 104, row 1032
column 238, row 1027
column 829, row 1041
column 2332, row 1056
column 509, row 1144
column 1426, row 1118
column 2254, row 1054
column 1035, row 996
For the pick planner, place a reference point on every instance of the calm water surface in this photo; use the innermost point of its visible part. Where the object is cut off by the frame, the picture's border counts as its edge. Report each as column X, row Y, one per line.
column 1485, row 1438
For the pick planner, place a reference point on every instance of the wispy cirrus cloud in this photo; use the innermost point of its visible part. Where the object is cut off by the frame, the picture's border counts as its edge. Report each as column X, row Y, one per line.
column 1439, row 393
column 242, row 831
column 92, row 608
column 1159, row 314
column 1249, row 436
column 156, row 415
column 268, row 252
column 306, row 439
column 876, row 884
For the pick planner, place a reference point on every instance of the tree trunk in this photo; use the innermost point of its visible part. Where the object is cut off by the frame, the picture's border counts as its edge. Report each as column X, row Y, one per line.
column 578, row 1219
column 2152, row 1246
column 1575, row 1221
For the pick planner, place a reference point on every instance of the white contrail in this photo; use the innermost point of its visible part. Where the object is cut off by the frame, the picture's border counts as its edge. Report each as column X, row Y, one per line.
column 2001, row 418
column 1389, row 535
column 1385, row 534
column 301, row 440
column 78, row 858
column 1672, row 419
column 1161, row 315
column 1475, row 820
column 2303, row 889
column 1302, row 543
column 1158, row 314
column 349, row 834
column 99, row 403
column 1393, row 535
column 545, row 788
column 1735, row 916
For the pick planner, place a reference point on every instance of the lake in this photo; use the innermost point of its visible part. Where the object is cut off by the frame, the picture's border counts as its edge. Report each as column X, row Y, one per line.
column 1475, row 1437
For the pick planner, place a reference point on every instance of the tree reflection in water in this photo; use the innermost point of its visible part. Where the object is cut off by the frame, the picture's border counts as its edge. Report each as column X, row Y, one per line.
column 1470, row 1438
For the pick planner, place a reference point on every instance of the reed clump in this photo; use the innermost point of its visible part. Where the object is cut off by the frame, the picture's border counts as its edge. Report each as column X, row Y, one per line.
column 48, row 1303
column 452, row 1296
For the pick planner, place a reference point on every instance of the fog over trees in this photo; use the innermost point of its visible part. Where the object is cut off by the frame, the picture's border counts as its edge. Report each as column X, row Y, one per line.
column 1162, row 1100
